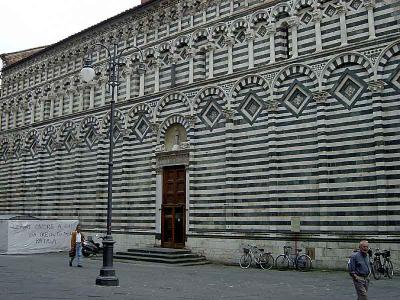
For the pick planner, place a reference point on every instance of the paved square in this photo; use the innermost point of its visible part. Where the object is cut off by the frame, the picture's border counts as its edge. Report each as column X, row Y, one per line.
column 48, row 276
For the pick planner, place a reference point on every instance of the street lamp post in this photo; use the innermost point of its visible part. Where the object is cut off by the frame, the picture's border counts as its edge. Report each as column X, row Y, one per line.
column 107, row 275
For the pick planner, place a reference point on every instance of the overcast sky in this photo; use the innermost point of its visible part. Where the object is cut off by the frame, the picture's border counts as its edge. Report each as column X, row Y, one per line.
column 28, row 24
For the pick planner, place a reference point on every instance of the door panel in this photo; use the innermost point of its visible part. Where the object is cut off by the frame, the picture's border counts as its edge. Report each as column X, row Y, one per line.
column 174, row 207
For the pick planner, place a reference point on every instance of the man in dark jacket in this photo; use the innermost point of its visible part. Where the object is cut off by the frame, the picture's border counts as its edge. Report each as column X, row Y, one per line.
column 360, row 269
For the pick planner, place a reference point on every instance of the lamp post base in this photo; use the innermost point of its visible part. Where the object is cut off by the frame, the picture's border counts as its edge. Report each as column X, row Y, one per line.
column 107, row 273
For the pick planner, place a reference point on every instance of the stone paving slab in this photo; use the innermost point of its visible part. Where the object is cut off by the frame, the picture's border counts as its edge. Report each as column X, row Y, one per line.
column 48, row 276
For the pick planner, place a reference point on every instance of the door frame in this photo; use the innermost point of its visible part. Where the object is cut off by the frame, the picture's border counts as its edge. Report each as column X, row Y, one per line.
column 174, row 206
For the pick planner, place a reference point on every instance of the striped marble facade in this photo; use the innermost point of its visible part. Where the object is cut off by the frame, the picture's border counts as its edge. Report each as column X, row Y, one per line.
column 291, row 111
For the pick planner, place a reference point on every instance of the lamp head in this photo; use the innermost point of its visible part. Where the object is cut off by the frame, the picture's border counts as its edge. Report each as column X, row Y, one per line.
column 87, row 73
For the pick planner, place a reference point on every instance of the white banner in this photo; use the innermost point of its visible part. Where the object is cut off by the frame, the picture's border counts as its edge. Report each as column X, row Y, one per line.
column 39, row 236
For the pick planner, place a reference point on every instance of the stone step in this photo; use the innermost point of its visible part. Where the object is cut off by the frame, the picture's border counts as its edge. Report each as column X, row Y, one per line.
column 182, row 257
column 158, row 255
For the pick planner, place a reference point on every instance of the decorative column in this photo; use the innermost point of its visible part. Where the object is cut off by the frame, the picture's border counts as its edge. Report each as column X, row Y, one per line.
column 317, row 17
column 217, row 4
column 250, row 41
column 61, row 103
column 41, row 103
column 71, row 100
column 210, row 49
column 51, row 106
column 157, row 66
column 370, row 5
column 229, row 42
column 141, row 82
column 293, row 24
column 102, row 81
column 190, row 55
column 81, row 90
column 179, row 13
column 1, row 117
column 32, row 105
column 127, row 75
column 91, row 96
column 7, row 111
column 271, row 30
column 342, row 10
column 232, row 6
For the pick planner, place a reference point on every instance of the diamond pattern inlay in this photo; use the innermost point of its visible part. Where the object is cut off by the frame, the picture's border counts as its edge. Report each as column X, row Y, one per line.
column 142, row 127
column 241, row 36
column 33, row 149
column 355, row 4
column 4, row 151
column 262, row 31
column 69, row 141
column 394, row 80
column 330, row 10
column 90, row 138
column 211, row 114
column 306, row 18
column 296, row 98
column 348, row 89
column 251, row 107
column 50, row 145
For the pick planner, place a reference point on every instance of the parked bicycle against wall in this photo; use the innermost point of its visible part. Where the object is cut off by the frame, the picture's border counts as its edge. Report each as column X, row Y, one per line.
column 382, row 265
column 300, row 262
column 254, row 254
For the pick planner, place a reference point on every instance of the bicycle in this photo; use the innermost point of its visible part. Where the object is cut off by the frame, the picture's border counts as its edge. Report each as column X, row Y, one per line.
column 378, row 268
column 300, row 262
column 252, row 253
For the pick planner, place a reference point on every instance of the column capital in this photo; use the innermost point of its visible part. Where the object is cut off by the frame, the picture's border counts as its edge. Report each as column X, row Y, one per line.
column 321, row 96
column 376, row 86
column 228, row 113
column 271, row 29
column 293, row 21
column 369, row 4
column 341, row 7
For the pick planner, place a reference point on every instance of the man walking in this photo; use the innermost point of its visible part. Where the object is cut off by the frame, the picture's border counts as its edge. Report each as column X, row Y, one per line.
column 359, row 268
column 77, row 239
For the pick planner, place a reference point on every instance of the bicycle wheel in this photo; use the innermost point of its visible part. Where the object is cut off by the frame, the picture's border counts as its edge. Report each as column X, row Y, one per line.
column 377, row 270
column 303, row 263
column 245, row 261
column 282, row 262
column 266, row 261
column 389, row 269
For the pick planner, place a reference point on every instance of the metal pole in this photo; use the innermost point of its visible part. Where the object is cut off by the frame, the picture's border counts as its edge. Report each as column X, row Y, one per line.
column 107, row 273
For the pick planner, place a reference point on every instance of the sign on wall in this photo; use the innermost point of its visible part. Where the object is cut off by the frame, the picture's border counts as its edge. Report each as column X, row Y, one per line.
column 39, row 236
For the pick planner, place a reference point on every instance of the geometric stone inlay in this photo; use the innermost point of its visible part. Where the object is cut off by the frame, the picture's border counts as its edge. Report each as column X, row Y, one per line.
column 141, row 128
column 33, row 149
column 211, row 114
column 221, row 42
column 348, row 89
column 241, row 36
column 69, row 141
column 90, row 138
column 17, row 149
column 355, row 4
column 306, row 18
column 50, row 145
column 262, row 31
column 251, row 107
column 296, row 98
column 330, row 10
column 394, row 80
column 4, row 151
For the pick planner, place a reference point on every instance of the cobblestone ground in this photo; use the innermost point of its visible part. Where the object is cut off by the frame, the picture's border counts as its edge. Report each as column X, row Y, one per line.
column 48, row 276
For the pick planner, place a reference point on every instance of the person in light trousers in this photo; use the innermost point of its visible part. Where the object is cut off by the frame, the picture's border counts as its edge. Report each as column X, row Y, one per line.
column 77, row 239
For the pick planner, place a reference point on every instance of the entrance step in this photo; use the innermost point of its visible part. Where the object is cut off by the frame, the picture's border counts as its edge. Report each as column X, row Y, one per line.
column 181, row 257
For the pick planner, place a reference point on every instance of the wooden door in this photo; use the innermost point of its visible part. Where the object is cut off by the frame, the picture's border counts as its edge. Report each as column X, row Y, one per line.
column 173, row 207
